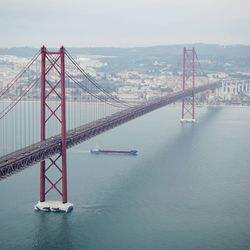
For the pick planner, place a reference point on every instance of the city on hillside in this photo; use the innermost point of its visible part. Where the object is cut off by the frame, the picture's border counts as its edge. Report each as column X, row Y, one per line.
column 142, row 74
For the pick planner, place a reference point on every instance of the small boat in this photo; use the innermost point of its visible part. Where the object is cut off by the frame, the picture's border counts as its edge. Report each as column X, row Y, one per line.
column 101, row 151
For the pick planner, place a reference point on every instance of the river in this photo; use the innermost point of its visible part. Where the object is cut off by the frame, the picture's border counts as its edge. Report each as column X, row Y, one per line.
column 188, row 188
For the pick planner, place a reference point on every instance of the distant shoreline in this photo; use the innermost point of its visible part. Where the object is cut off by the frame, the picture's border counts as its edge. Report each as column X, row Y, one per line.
column 212, row 105
column 178, row 104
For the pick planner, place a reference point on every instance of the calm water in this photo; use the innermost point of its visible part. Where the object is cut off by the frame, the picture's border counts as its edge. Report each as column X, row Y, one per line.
column 189, row 188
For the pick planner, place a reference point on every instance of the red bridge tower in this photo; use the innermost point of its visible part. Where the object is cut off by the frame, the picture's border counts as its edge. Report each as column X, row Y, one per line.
column 188, row 112
column 53, row 85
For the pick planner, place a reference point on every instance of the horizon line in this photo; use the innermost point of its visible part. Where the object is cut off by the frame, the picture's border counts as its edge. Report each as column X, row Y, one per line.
column 128, row 47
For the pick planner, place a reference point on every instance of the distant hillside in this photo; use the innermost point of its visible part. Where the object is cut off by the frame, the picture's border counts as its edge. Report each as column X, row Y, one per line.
column 227, row 58
column 18, row 51
column 211, row 50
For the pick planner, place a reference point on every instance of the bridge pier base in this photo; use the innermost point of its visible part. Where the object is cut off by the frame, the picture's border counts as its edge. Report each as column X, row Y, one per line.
column 53, row 206
column 187, row 120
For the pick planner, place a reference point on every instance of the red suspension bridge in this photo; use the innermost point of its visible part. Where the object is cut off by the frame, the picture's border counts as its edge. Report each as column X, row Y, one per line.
column 53, row 104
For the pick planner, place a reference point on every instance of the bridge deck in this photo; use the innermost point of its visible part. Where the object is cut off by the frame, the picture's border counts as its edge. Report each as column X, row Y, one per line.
column 28, row 156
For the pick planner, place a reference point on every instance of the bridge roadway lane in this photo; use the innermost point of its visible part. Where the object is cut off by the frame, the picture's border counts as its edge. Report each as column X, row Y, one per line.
column 28, row 156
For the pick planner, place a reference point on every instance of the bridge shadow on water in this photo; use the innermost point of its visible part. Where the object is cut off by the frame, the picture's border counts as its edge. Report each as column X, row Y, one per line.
column 175, row 152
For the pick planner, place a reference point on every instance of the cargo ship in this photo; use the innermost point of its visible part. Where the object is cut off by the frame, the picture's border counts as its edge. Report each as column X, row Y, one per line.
column 102, row 151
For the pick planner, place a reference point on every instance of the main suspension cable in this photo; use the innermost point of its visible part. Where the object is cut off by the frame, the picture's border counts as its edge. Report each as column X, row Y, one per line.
column 86, row 75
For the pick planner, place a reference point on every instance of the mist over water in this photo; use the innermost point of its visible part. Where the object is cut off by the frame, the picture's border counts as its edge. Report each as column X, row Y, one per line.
column 188, row 188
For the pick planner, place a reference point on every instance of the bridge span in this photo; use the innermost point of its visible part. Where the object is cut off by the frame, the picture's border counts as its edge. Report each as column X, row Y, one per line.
column 29, row 156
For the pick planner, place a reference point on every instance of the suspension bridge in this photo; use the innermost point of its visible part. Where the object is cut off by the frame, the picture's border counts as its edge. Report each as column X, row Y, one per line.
column 53, row 104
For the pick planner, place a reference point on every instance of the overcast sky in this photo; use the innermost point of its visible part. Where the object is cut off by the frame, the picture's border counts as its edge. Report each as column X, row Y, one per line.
column 123, row 23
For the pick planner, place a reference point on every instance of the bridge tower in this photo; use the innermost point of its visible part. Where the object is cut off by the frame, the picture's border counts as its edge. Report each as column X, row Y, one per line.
column 53, row 64
column 188, row 81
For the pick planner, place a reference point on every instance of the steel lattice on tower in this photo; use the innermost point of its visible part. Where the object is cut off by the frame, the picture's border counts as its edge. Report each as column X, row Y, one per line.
column 53, row 64
column 188, row 109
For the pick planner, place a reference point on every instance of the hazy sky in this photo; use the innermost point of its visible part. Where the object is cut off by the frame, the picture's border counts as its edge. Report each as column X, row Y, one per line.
column 123, row 22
